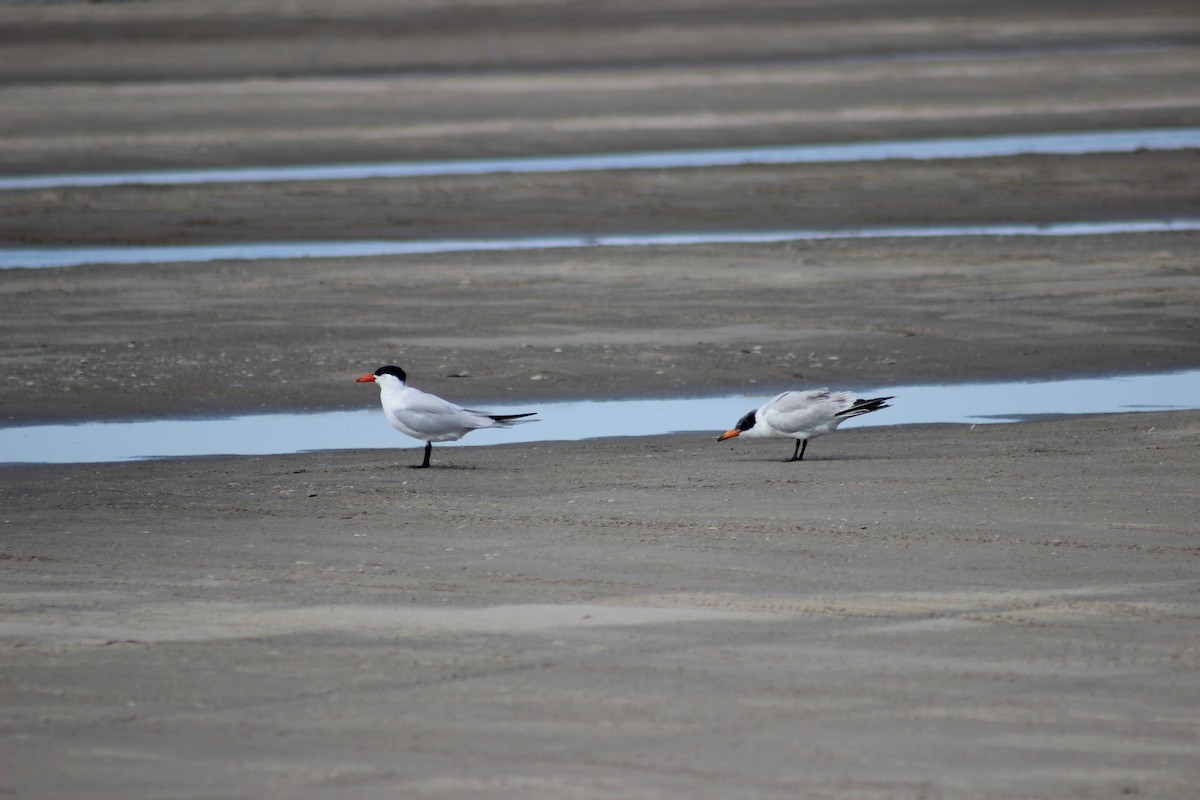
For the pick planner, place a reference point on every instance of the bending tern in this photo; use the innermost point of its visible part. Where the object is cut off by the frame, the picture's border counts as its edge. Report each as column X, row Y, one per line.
column 802, row 416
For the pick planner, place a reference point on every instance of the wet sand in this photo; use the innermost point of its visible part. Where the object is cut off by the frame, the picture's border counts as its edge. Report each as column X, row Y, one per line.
column 1001, row 611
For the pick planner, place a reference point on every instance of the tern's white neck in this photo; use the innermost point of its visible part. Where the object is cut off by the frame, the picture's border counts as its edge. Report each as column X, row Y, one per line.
column 389, row 383
column 759, row 428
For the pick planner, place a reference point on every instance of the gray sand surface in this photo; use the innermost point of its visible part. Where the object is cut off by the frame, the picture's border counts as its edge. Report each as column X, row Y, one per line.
column 919, row 611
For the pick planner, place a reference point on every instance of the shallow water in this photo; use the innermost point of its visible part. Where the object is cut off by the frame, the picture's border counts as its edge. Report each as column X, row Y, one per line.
column 49, row 257
column 1074, row 143
column 267, row 434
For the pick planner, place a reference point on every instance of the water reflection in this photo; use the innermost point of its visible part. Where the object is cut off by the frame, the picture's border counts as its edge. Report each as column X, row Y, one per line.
column 266, row 434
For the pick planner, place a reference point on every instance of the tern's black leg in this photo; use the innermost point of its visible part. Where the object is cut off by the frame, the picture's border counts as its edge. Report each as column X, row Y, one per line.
column 425, row 463
column 798, row 453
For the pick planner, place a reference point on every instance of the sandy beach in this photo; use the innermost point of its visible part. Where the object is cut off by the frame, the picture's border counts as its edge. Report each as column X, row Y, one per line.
column 914, row 611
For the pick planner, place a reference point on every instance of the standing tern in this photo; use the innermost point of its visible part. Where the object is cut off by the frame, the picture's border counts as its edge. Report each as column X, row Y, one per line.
column 802, row 416
column 428, row 417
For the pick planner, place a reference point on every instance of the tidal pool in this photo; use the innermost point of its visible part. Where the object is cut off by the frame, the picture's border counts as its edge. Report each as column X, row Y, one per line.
column 1069, row 143
column 48, row 257
column 267, row 434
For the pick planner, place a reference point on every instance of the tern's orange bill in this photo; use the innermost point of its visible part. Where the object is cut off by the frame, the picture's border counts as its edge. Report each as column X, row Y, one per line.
column 729, row 434
column 368, row 378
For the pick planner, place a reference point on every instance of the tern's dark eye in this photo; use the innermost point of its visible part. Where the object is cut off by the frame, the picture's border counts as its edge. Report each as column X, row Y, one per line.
column 746, row 422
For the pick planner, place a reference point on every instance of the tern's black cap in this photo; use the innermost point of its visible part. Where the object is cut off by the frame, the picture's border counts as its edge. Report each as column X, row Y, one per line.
column 396, row 371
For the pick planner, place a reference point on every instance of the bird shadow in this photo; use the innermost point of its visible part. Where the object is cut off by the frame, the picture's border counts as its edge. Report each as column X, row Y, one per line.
column 435, row 467
column 810, row 459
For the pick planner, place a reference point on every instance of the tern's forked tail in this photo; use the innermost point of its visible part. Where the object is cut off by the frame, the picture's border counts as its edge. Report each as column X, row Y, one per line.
column 508, row 420
column 865, row 407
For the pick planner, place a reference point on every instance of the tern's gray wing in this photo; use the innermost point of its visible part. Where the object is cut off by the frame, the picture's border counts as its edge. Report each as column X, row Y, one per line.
column 799, row 412
column 431, row 417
